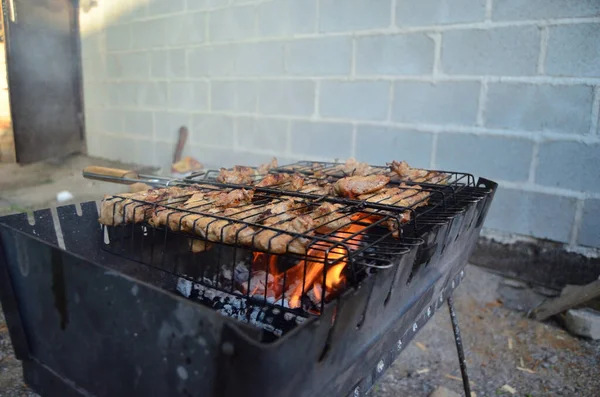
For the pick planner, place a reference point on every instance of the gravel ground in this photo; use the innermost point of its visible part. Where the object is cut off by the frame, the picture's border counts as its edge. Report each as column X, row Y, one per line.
column 561, row 365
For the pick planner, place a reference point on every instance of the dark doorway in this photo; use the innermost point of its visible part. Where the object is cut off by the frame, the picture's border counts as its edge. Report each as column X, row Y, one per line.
column 44, row 77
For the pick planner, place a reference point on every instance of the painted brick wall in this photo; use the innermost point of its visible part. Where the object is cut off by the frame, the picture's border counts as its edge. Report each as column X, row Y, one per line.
column 505, row 89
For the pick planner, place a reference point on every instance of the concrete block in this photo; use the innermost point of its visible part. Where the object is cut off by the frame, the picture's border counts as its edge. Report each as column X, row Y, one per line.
column 589, row 232
column 574, row 50
column 515, row 10
column 583, row 322
column 485, row 155
column 325, row 140
column 287, row 17
column 497, row 51
column 380, row 145
column 195, row 5
column 262, row 134
column 112, row 121
column 139, row 124
column 135, row 65
column 118, row 37
column 364, row 100
column 344, row 15
column 438, row 12
column 188, row 95
column 321, row 56
column 162, row 7
column 239, row 96
column 441, row 103
column 159, row 64
column 144, row 152
column 289, row 97
column 259, row 59
column 222, row 95
column 569, row 165
column 149, row 34
column 93, row 43
column 93, row 68
column 176, row 64
column 231, row 24
column 212, row 130
column 211, row 61
column 138, row 95
column 532, row 214
column 405, row 54
column 121, row 94
column 536, row 107
column 96, row 94
column 166, row 126
column 186, row 28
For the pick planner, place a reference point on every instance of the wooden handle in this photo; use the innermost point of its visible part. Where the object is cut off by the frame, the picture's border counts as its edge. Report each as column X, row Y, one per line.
column 109, row 174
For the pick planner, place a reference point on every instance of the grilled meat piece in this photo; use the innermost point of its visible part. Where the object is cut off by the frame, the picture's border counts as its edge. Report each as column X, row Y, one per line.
column 273, row 180
column 280, row 242
column 328, row 219
column 402, row 196
column 318, row 190
column 239, row 175
column 290, row 182
column 265, row 168
column 416, row 174
column 231, row 198
column 137, row 207
column 352, row 168
column 353, row 186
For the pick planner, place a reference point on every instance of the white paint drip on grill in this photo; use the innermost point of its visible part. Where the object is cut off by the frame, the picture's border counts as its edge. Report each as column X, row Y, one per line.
column 59, row 234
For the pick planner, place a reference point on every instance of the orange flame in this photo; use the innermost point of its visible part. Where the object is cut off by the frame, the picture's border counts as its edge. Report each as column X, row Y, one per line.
column 314, row 269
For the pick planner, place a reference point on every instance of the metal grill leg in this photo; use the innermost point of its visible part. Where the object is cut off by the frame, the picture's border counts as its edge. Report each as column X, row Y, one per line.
column 459, row 348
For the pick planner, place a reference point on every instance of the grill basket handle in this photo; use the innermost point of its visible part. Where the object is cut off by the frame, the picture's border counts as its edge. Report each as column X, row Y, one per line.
column 107, row 174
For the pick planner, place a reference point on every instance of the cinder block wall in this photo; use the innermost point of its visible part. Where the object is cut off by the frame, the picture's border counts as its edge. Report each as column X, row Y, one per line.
column 505, row 89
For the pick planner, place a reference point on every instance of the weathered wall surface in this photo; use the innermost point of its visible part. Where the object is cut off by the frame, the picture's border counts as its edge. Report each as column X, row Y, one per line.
column 505, row 89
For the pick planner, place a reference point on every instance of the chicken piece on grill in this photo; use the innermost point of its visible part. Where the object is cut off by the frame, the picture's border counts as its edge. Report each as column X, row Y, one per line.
column 416, row 174
column 265, row 168
column 402, row 196
column 231, row 198
column 239, row 175
column 328, row 218
column 214, row 229
column 282, row 240
column 324, row 190
column 273, row 180
column 353, row 186
column 290, row 182
column 353, row 168
column 137, row 207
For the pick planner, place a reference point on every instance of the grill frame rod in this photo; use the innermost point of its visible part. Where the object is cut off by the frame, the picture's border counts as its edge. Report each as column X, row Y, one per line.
column 61, row 308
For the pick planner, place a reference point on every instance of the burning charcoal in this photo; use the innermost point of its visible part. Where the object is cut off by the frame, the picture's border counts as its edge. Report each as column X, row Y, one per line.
column 257, row 283
column 184, row 287
column 241, row 273
column 316, row 294
column 283, row 302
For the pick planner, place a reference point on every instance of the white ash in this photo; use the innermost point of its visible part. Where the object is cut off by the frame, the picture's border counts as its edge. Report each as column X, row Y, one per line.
column 237, row 307
column 316, row 294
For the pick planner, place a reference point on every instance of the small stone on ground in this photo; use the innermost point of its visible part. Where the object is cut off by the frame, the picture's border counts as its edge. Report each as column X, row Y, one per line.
column 443, row 392
column 584, row 322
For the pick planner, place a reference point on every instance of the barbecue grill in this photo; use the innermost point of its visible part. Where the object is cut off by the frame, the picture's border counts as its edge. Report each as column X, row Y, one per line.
column 140, row 309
